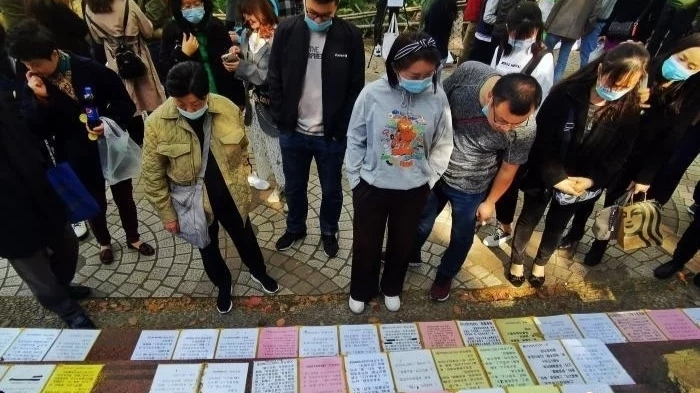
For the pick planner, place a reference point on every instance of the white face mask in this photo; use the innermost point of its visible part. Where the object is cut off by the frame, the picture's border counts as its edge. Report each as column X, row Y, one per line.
column 519, row 45
column 194, row 115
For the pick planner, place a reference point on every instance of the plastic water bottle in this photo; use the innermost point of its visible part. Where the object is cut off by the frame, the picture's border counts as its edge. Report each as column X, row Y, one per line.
column 93, row 116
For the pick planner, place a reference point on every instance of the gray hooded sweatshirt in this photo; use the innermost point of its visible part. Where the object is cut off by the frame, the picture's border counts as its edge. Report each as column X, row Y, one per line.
column 397, row 140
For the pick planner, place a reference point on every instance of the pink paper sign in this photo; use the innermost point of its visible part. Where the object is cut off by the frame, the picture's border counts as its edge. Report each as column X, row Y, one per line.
column 440, row 334
column 675, row 324
column 278, row 342
column 636, row 326
column 322, row 375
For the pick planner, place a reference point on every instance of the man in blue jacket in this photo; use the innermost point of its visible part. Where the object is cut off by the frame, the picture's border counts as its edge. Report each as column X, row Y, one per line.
column 311, row 99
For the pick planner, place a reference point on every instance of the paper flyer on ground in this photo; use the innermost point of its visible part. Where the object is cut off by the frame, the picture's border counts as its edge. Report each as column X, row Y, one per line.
column 73, row 378
column 479, row 332
column 504, row 366
column 675, row 324
column 7, row 337
column 637, row 326
column 322, row 375
column 399, row 337
column 72, row 345
column 194, row 344
column 460, row 368
column 550, row 363
column 368, row 372
column 596, row 363
column 26, row 378
column 237, row 344
column 557, row 327
column 31, row 345
column 443, row 334
column 275, row 376
column 515, row 330
column 278, row 342
column 155, row 345
column 356, row 339
column 414, row 371
column 315, row 341
column 224, row 378
column 598, row 326
column 176, row 378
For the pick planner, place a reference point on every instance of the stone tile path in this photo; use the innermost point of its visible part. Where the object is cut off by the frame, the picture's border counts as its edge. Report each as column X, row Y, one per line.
column 176, row 269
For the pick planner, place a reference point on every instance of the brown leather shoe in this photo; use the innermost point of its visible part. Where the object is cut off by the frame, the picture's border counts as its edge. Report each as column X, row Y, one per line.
column 107, row 256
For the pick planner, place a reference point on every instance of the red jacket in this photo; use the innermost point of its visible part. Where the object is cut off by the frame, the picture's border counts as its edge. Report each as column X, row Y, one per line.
column 472, row 10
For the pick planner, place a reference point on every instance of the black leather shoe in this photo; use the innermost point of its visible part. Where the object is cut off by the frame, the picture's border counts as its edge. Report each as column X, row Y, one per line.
column 595, row 255
column 568, row 243
column 536, row 281
column 81, row 321
column 517, row 281
column 668, row 269
column 79, row 292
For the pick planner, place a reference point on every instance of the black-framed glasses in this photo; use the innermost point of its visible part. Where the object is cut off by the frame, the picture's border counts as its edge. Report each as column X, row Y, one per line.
column 314, row 15
column 506, row 124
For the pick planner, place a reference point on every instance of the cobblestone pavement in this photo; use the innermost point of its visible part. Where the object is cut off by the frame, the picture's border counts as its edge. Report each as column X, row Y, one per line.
column 176, row 269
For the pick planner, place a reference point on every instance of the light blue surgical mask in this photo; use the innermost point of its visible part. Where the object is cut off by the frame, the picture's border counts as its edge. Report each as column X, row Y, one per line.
column 194, row 115
column 317, row 27
column 673, row 70
column 485, row 110
column 519, row 45
column 607, row 94
column 415, row 86
column 194, row 15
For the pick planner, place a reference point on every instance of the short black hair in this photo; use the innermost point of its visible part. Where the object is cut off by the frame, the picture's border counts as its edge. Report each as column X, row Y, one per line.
column 29, row 40
column 429, row 54
column 522, row 92
column 187, row 77
column 326, row 2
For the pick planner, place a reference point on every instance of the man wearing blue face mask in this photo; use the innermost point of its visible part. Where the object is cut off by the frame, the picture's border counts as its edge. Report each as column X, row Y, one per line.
column 311, row 100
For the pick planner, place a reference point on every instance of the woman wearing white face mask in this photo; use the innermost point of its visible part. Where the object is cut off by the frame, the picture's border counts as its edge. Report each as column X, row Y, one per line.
column 399, row 144
column 197, row 139
column 522, row 49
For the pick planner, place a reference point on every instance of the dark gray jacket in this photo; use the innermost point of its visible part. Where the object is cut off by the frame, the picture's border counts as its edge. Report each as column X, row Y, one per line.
column 573, row 18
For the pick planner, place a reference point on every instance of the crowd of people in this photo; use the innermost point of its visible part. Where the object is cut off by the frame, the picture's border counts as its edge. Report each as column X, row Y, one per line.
column 288, row 84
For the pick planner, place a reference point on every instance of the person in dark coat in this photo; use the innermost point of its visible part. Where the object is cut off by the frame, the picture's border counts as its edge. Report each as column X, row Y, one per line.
column 438, row 21
column 69, row 30
column 53, row 104
column 35, row 236
column 195, row 35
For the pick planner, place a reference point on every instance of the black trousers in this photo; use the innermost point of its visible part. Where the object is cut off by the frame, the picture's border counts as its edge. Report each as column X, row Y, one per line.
column 534, row 206
column 375, row 210
column 241, row 232
column 49, row 271
column 667, row 179
column 123, row 194
column 506, row 205
column 689, row 243
column 378, row 20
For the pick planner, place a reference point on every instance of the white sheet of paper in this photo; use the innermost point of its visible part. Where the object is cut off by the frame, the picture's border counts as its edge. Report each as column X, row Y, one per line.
column 400, row 337
column 275, row 376
column 26, row 378
column 550, row 363
column 693, row 313
column 31, row 345
column 155, row 345
column 368, row 372
column 356, row 339
column 195, row 344
column 317, row 341
column 3, row 370
column 394, row 3
column 557, row 327
column 176, row 378
column 583, row 388
column 414, row 371
column 7, row 337
column 488, row 390
column 598, row 326
column 237, row 344
column 480, row 332
column 224, row 378
column 73, row 345
column 595, row 362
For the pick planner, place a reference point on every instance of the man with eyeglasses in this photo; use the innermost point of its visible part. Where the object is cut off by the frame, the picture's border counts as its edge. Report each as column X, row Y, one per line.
column 315, row 74
column 494, row 129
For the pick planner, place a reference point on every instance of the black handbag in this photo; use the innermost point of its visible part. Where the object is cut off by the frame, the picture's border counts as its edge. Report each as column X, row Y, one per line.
column 626, row 30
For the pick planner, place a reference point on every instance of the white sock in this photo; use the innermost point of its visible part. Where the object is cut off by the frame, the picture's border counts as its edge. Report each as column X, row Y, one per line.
column 538, row 271
column 517, row 270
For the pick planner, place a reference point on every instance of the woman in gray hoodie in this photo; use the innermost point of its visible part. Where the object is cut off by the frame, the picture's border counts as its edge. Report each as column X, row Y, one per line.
column 399, row 144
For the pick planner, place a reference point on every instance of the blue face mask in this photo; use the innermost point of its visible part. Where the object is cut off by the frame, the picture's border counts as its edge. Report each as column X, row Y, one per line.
column 519, row 45
column 415, row 86
column 485, row 110
column 193, row 15
column 194, row 115
column 317, row 27
column 673, row 70
column 605, row 93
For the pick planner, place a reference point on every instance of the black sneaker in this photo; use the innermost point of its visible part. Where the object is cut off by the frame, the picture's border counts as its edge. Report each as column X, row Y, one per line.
column 287, row 240
column 330, row 245
column 224, row 304
column 81, row 321
column 268, row 284
column 78, row 292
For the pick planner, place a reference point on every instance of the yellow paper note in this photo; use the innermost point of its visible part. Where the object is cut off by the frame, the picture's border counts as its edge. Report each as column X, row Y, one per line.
column 460, row 368
column 515, row 330
column 73, row 379
column 534, row 389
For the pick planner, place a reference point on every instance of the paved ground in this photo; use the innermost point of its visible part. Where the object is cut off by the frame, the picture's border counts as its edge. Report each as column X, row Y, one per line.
column 176, row 270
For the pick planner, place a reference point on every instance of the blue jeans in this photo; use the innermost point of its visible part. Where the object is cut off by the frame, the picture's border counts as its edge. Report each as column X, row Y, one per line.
column 589, row 42
column 464, row 207
column 566, row 45
column 297, row 152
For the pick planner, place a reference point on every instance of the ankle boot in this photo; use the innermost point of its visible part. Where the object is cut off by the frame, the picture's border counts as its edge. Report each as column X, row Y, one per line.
column 668, row 269
column 595, row 255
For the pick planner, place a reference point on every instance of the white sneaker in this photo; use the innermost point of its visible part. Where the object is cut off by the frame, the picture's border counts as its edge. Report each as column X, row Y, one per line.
column 80, row 229
column 392, row 303
column 355, row 306
column 378, row 50
column 498, row 237
column 258, row 183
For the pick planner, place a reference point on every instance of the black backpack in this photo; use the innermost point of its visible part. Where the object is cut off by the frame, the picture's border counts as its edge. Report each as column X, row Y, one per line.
column 129, row 64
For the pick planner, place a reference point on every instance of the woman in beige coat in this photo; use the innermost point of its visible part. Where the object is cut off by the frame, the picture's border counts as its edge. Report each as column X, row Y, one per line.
column 105, row 18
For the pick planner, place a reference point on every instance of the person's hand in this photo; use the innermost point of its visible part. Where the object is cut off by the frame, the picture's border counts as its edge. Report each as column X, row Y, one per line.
column 189, row 45
column 37, row 85
column 234, row 50
column 637, row 188
column 581, row 184
column 644, row 94
column 234, row 37
column 231, row 66
column 97, row 131
column 173, row 227
column 485, row 211
column 568, row 186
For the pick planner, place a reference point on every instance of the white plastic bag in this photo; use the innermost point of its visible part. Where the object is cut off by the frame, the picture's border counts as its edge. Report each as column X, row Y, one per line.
column 119, row 155
column 390, row 36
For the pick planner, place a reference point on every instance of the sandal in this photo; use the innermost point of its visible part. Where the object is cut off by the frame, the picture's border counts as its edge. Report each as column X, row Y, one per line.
column 144, row 249
column 107, row 256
